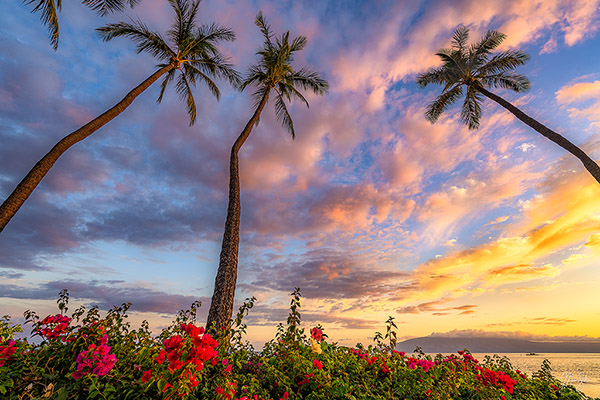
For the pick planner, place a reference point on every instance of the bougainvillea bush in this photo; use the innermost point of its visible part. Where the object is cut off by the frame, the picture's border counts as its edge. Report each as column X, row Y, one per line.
column 86, row 356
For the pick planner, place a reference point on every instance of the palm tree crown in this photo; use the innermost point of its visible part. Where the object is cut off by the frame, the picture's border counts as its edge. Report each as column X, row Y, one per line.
column 193, row 51
column 471, row 66
column 274, row 71
column 51, row 8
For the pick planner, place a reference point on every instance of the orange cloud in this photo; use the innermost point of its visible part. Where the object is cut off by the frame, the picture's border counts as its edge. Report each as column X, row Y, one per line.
column 565, row 216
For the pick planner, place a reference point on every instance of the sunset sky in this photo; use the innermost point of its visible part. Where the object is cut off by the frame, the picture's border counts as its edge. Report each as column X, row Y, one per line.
column 372, row 211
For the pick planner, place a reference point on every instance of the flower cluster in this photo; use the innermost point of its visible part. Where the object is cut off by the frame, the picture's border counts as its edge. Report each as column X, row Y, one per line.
column 490, row 377
column 203, row 349
column 95, row 360
column 179, row 353
column 53, row 326
column 426, row 365
column 7, row 349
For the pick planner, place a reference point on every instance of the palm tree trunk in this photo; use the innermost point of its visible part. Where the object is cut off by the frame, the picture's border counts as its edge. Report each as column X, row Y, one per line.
column 221, row 304
column 15, row 200
column 560, row 140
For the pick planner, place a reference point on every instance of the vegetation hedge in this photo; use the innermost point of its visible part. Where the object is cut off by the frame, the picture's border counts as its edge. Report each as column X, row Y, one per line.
column 85, row 356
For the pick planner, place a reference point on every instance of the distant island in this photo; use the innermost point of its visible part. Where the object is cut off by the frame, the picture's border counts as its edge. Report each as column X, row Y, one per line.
column 438, row 344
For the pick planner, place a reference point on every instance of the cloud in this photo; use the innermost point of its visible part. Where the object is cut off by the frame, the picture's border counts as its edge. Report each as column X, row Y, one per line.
column 583, row 99
column 105, row 294
column 433, row 307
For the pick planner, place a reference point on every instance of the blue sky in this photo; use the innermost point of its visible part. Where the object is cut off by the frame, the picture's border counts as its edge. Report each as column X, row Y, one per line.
column 371, row 210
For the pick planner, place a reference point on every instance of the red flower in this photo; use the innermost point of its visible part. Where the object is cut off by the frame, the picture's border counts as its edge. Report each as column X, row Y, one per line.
column 168, row 385
column 146, row 375
column 317, row 364
column 316, row 334
column 160, row 358
column 173, row 343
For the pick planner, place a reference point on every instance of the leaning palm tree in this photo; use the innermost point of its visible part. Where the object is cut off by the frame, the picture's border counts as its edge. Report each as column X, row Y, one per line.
column 51, row 8
column 272, row 73
column 192, row 56
column 472, row 67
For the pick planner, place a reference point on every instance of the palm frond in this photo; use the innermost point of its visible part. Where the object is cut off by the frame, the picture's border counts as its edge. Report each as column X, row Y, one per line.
column 471, row 109
column 298, row 43
column 255, row 76
column 507, row 60
column 105, row 7
column 460, row 38
column 168, row 78
column 479, row 51
column 49, row 17
column 264, row 27
column 283, row 116
column 180, row 7
column 190, row 19
column 193, row 73
column 506, row 80
column 219, row 67
column 442, row 102
column 146, row 40
column 291, row 92
column 215, row 33
column 184, row 91
column 308, row 80
column 438, row 76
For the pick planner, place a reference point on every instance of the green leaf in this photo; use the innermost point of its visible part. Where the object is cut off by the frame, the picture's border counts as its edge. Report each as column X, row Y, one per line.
column 62, row 393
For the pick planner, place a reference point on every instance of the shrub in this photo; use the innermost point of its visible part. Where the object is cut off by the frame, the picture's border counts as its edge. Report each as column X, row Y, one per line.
column 84, row 356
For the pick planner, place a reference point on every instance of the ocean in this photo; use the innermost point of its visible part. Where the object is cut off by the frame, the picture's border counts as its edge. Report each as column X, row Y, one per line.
column 581, row 370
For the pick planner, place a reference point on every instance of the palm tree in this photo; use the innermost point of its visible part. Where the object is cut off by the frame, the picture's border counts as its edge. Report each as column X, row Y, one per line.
column 272, row 73
column 472, row 67
column 192, row 57
column 50, row 9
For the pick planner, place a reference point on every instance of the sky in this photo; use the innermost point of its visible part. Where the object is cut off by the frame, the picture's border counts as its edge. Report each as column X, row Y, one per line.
column 372, row 211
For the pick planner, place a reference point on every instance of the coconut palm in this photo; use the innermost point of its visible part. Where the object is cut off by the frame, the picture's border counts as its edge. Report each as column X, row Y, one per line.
column 472, row 67
column 51, row 8
column 191, row 56
column 273, row 74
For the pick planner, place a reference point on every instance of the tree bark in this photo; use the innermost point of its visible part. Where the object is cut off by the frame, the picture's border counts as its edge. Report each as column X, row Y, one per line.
column 15, row 200
column 221, row 304
column 560, row 140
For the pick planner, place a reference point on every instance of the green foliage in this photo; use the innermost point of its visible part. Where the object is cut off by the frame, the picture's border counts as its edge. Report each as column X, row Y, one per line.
column 184, row 362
